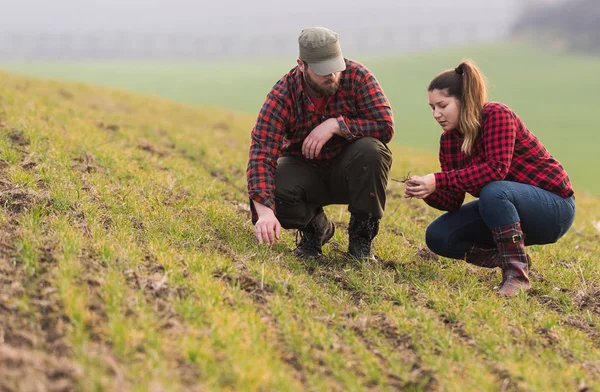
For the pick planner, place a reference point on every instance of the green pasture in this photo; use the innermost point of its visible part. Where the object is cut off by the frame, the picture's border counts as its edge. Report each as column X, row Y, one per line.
column 128, row 263
column 553, row 93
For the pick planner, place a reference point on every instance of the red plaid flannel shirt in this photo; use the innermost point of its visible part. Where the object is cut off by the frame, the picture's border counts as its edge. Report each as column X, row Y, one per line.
column 504, row 151
column 288, row 116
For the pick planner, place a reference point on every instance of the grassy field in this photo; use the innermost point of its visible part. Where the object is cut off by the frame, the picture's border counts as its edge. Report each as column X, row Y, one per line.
column 553, row 93
column 127, row 262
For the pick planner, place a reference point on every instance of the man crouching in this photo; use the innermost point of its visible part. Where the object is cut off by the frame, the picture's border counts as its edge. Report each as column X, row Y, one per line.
column 320, row 139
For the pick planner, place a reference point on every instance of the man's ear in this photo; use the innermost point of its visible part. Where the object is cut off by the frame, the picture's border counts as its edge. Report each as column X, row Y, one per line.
column 300, row 64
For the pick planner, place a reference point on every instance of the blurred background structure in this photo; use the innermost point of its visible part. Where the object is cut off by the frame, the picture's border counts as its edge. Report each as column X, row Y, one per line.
column 185, row 29
column 561, row 25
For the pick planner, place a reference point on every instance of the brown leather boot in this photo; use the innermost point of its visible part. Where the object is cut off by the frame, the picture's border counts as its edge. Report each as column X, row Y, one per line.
column 515, row 279
column 484, row 257
column 515, row 261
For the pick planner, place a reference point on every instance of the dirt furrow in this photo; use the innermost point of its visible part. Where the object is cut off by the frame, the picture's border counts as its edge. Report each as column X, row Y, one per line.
column 35, row 352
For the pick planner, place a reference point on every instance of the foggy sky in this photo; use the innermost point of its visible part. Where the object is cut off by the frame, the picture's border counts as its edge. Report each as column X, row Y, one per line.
column 239, row 16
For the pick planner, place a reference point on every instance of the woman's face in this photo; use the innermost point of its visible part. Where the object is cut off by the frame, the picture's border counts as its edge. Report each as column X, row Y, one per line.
column 446, row 109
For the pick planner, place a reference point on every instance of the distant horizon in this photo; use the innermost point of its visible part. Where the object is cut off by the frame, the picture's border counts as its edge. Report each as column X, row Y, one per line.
column 157, row 46
column 234, row 16
column 105, row 29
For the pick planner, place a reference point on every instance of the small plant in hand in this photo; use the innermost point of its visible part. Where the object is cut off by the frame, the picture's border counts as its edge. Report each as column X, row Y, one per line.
column 406, row 181
column 403, row 180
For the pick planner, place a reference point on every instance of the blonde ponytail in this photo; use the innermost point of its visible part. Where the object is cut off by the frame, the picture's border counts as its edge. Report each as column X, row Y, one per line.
column 472, row 101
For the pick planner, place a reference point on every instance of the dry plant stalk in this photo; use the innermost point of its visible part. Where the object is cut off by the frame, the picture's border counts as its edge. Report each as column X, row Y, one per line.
column 404, row 180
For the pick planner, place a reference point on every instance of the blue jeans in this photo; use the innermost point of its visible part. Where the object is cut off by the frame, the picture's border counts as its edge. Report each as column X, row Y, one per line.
column 544, row 217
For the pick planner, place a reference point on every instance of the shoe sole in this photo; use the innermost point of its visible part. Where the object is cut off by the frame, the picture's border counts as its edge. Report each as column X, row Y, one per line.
column 510, row 294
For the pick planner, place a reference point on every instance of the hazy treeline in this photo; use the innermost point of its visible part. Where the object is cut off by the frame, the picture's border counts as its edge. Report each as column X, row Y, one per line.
column 155, row 29
column 571, row 25
column 132, row 45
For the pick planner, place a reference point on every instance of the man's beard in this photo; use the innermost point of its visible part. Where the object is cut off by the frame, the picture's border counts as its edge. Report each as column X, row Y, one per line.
column 325, row 91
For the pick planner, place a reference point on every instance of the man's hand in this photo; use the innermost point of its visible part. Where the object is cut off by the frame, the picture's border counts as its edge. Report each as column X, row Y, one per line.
column 316, row 139
column 420, row 187
column 267, row 228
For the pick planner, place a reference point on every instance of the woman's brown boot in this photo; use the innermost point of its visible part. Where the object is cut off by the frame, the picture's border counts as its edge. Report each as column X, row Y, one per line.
column 515, row 261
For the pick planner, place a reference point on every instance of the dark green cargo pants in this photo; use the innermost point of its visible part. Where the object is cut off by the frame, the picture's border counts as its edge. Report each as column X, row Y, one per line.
column 357, row 177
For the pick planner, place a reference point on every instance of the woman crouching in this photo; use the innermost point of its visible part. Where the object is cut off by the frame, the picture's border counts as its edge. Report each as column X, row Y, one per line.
column 525, row 195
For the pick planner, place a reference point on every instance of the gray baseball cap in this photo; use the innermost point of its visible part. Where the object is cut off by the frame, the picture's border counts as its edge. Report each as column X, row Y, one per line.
column 320, row 48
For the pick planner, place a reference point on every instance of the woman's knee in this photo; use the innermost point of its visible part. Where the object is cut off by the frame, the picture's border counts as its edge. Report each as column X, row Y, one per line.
column 495, row 190
column 437, row 239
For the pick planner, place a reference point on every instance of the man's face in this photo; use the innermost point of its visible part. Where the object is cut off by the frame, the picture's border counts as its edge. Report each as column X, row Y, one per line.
column 323, row 85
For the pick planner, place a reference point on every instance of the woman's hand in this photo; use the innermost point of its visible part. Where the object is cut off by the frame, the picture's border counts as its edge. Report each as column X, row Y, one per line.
column 420, row 187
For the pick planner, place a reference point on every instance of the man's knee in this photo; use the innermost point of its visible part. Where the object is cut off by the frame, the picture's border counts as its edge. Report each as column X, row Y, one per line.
column 373, row 150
